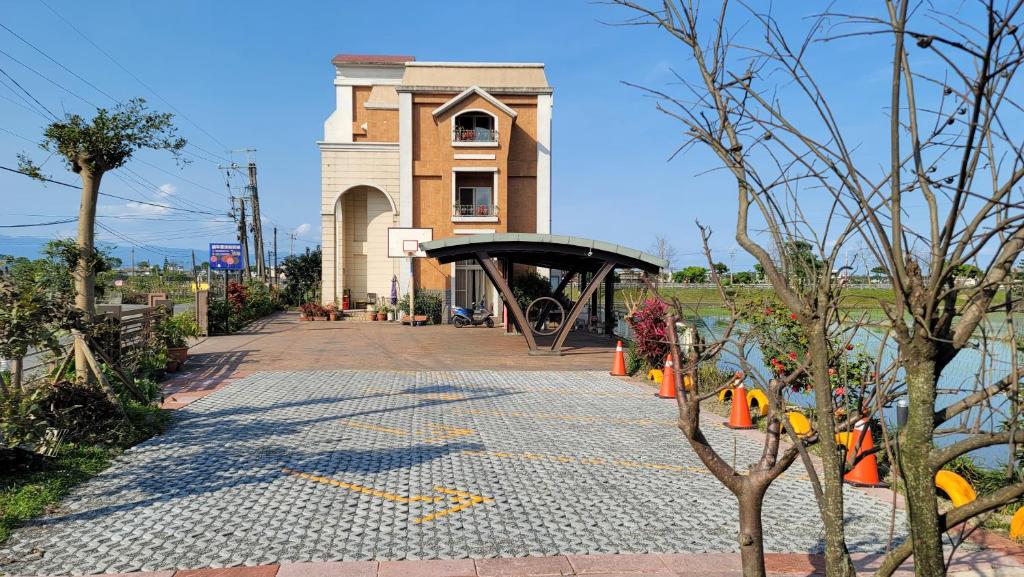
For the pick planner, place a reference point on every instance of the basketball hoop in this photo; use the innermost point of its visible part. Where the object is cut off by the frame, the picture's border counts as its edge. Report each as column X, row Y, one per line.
column 410, row 247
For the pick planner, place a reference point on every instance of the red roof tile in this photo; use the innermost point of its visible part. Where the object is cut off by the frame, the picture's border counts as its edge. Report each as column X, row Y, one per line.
column 372, row 59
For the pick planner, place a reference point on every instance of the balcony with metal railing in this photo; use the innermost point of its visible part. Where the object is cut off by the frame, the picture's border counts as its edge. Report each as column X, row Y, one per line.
column 475, row 212
column 485, row 136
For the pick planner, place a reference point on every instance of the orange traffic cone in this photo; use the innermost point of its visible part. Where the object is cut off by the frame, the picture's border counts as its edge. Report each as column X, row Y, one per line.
column 619, row 364
column 739, row 417
column 865, row 473
column 668, row 380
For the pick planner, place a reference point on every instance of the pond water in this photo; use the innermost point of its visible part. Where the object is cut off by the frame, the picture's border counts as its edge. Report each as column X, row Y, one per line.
column 970, row 370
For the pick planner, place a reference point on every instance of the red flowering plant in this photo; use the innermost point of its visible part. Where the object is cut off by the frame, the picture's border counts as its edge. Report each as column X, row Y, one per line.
column 238, row 295
column 783, row 346
column 650, row 337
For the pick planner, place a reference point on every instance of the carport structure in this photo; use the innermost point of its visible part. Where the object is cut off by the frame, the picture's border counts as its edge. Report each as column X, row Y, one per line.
column 592, row 261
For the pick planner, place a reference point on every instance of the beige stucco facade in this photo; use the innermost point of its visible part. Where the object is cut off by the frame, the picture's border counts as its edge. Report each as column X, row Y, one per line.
column 458, row 148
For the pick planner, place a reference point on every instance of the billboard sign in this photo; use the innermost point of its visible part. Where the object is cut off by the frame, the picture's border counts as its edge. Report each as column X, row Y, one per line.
column 225, row 256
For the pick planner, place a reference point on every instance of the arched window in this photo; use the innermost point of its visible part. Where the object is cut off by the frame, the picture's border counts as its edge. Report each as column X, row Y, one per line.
column 475, row 126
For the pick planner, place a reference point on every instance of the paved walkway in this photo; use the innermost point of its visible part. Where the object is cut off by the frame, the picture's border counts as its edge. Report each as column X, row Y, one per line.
column 299, row 466
column 281, row 343
column 374, row 473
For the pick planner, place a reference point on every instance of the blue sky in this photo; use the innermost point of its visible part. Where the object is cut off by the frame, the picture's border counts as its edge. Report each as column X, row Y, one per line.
column 257, row 74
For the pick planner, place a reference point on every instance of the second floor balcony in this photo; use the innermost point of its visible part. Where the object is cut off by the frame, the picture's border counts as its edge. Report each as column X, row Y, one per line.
column 471, row 135
column 474, row 210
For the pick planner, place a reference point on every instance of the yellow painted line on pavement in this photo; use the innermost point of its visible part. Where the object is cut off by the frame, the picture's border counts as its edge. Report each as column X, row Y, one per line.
column 597, row 461
column 462, row 499
column 433, row 433
column 563, row 392
column 561, row 417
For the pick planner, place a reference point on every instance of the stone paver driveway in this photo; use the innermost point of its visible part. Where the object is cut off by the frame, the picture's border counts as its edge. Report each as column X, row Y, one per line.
column 360, row 465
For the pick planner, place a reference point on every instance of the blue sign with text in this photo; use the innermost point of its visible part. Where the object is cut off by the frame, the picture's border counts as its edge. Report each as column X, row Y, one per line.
column 225, row 256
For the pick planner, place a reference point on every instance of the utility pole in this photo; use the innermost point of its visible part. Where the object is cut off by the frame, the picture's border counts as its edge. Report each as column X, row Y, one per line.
column 132, row 283
column 243, row 236
column 275, row 256
column 291, row 243
column 242, row 194
column 257, row 224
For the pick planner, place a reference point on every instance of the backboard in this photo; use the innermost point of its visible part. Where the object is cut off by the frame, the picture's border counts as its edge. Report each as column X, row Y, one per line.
column 401, row 240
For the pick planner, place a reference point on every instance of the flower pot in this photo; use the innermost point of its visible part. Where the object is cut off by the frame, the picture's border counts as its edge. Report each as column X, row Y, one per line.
column 382, row 316
column 177, row 354
column 391, row 316
column 172, row 366
column 333, row 316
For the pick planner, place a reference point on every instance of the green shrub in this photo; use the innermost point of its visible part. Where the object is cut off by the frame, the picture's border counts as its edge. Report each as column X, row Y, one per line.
column 175, row 330
column 636, row 363
column 427, row 302
column 22, row 418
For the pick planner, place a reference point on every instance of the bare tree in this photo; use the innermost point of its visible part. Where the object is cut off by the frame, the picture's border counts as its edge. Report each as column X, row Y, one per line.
column 664, row 249
column 951, row 148
column 748, row 485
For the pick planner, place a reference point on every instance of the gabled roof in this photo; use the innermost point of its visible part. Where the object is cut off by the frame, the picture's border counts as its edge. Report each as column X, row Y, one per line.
column 372, row 59
column 479, row 92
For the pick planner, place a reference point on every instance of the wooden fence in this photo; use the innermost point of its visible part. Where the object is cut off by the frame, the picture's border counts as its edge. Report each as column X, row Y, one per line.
column 134, row 325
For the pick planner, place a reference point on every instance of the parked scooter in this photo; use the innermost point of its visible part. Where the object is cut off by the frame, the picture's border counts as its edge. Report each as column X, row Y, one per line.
column 477, row 314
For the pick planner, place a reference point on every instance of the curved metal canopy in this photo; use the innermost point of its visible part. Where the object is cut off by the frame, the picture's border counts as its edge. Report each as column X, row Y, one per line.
column 544, row 250
column 592, row 260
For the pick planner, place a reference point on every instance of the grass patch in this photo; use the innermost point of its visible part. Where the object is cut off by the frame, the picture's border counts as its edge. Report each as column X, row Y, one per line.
column 27, row 495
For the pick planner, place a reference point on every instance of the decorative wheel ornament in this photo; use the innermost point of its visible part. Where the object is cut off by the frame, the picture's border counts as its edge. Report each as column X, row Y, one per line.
column 545, row 316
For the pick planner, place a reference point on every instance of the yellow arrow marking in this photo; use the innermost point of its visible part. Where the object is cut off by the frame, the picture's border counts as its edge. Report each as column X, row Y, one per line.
column 462, row 499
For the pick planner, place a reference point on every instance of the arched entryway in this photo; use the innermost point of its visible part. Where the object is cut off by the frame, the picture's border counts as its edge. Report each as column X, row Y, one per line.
column 363, row 214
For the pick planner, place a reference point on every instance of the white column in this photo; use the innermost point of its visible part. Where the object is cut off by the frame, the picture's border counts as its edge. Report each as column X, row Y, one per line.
column 544, row 163
column 405, row 171
column 345, row 108
column 544, row 104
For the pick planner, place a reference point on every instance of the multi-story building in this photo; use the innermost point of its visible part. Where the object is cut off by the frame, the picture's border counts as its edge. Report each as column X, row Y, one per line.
column 457, row 147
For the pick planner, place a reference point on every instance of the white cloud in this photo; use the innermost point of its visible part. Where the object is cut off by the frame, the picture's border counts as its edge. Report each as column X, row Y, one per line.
column 138, row 209
column 302, row 229
column 167, row 189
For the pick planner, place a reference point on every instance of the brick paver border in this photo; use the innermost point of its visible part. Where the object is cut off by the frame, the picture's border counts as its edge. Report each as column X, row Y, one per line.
column 686, row 565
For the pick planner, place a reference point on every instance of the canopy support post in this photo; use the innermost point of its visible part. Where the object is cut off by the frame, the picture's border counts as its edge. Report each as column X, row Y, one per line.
column 584, row 301
column 557, row 295
column 496, row 278
column 609, row 304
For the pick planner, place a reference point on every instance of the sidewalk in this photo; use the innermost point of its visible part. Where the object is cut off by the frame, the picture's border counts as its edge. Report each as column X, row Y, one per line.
column 695, row 565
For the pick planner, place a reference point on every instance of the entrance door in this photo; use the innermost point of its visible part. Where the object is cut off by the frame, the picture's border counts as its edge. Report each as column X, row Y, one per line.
column 470, row 284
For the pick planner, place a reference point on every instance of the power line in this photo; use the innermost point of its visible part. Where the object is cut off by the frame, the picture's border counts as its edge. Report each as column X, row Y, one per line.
column 178, row 176
column 107, row 194
column 51, row 223
column 129, row 73
column 51, row 59
column 48, row 79
column 16, row 135
column 34, row 99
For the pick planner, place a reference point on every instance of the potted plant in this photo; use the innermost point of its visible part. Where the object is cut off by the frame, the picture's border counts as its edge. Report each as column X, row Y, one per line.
column 382, row 312
column 332, row 312
column 391, row 314
column 174, row 332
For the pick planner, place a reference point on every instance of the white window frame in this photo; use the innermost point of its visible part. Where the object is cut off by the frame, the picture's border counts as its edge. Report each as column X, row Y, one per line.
column 494, row 192
column 476, row 144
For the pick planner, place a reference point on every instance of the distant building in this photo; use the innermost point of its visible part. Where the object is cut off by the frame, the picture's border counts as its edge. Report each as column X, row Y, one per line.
column 462, row 148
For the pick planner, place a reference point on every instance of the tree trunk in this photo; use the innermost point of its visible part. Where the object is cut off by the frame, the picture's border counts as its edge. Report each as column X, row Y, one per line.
column 17, row 368
column 916, row 443
column 84, row 275
column 751, row 539
column 837, row 557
